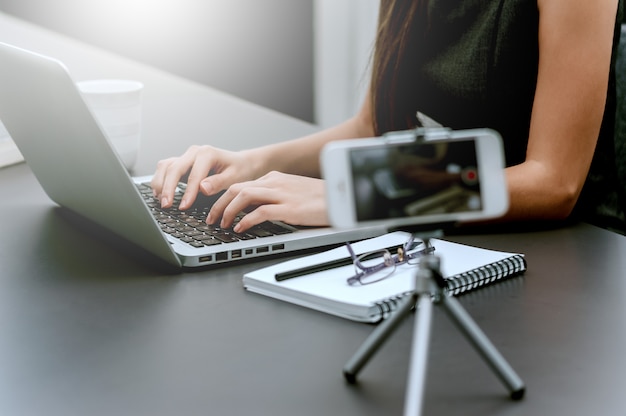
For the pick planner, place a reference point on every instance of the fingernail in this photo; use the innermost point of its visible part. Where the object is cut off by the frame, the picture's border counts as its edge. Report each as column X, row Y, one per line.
column 164, row 201
column 205, row 187
column 237, row 228
column 183, row 204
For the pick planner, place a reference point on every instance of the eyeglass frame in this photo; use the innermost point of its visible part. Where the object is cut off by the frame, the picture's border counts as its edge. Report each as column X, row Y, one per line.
column 403, row 255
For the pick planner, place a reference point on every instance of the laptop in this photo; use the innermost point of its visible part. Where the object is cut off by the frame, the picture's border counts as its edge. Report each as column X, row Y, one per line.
column 79, row 169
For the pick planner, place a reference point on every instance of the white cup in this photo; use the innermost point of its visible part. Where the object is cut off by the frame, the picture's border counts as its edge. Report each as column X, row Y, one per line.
column 116, row 104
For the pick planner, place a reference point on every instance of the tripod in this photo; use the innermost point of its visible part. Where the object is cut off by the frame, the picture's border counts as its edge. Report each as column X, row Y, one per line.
column 430, row 289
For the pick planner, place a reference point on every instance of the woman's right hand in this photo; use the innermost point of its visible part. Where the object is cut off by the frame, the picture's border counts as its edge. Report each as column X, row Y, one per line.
column 208, row 169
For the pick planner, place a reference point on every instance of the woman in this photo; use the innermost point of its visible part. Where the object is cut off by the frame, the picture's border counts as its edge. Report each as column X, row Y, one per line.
column 538, row 71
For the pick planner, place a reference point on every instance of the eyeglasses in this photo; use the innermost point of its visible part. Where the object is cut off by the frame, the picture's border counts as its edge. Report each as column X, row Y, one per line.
column 377, row 265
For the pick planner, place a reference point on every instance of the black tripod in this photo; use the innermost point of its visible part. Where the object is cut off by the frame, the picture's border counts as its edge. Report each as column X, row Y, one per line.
column 429, row 290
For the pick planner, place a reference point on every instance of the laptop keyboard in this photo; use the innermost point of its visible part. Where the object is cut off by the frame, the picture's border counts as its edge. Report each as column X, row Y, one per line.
column 190, row 227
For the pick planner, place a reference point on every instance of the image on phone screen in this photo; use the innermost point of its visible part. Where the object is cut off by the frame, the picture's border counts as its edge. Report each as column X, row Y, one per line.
column 415, row 179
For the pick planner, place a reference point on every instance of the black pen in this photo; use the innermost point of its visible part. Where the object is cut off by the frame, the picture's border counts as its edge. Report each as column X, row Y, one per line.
column 320, row 267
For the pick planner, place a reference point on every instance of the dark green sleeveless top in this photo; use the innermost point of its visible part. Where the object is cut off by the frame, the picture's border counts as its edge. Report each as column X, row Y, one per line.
column 478, row 68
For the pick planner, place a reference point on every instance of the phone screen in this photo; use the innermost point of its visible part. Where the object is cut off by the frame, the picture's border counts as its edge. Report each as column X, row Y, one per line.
column 416, row 179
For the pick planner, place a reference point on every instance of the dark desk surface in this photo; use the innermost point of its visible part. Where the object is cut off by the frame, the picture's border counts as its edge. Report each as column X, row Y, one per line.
column 88, row 330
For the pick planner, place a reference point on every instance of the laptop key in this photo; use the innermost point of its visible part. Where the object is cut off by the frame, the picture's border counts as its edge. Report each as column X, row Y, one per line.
column 225, row 237
column 208, row 240
column 275, row 228
column 259, row 232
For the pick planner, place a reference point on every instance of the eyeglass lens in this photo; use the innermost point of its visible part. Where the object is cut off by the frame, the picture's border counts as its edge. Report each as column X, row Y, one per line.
column 378, row 265
column 375, row 266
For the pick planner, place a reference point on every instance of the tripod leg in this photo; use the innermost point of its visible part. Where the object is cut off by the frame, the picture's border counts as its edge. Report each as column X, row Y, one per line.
column 416, row 383
column 482, row 344
column 376, row 339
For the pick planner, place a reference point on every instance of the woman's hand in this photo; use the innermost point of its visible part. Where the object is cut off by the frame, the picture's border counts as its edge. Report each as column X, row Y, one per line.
column 208, row 170
column 297, row 200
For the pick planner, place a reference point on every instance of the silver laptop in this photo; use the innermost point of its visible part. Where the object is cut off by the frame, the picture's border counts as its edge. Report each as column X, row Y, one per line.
column 78, row 168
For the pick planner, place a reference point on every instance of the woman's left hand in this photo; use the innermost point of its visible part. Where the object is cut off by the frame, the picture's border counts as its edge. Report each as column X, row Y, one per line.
column 293, row 199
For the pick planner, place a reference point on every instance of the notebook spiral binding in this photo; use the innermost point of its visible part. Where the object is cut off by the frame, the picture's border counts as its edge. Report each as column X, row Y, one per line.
column 486, row 275
column 389, row 305
column 468, row 281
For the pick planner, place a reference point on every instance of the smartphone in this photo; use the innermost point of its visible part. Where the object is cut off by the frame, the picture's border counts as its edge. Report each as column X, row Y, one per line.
column 443, row 176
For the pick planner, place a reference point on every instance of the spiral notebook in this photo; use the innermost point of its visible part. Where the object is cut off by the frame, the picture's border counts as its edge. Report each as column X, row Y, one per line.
column 465, row 268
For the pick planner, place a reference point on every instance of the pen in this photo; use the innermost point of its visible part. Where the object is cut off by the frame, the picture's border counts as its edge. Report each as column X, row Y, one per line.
column 320, row 267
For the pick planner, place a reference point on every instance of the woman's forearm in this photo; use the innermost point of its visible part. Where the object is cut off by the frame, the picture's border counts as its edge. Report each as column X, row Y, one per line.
column 301, row 156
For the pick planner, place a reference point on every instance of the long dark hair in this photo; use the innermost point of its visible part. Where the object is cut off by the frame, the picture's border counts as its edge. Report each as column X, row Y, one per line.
column 401, row 26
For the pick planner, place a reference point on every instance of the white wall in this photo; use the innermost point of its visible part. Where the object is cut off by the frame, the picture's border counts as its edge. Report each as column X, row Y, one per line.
column 344, row 35
column 259, row 50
